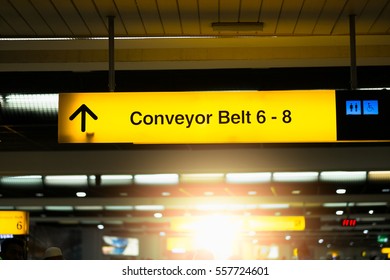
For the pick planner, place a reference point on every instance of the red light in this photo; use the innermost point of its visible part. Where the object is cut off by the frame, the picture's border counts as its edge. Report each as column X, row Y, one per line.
column 349, row 223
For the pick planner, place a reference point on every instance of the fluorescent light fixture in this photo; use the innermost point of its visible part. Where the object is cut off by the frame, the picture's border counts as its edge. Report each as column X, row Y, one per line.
column 237, row 26
column 338, row 204
column 343, row 176
column 274, row 206
column 296, row 192
column 29, row 208
column 156, row 179
column 379, row 176
column 23, row 181
column 339, row 212
column 252, row 192
column 41, row 103
column 89, row 208
column 371, row 212
column 295, row 177
column 100, row 226
column 109, row 180
column 365, row 231
column 288, row 237
column 7, row 208
column 149, row 207
column 320, row 241
column 113, row 222
column 248, row 178
column 385, row 190
column 364, row 204
column 373, row 219
column 67, row 180
column 202, row 178
column 105, row 38
column 165, row 193
column 119, row 207
column 59, row 208
column 341, row 191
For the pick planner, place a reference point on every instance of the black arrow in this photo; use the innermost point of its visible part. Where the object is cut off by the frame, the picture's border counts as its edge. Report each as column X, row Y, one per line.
column 83, row 109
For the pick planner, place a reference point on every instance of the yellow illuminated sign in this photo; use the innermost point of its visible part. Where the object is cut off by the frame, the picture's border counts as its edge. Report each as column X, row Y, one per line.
column 250, row 223
column 198, row 117
column 14, row 222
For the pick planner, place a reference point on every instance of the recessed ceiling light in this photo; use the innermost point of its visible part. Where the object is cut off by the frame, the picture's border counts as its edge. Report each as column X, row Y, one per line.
column 288, row 237
column 320, row 241
column 252, row 193
column 365, row 231
column 81, row 194
column 158, row 215
column 339, row 212
column 341, row 191
column 165, row 193
column 100, row 226
column 296, row 192
column 371, row 212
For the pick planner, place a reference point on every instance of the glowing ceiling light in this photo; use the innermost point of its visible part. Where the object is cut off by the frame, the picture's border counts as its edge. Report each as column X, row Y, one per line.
column 343, row 176
column 66, row 180
column 149, row 207
column 29, row 180
column 59, row 208
column 107, row 180
column 81, row 194
column 341, row 191
column 156, row 179
column 339, row 212
column 248, row 178
column 274, row 206
column 295, row 176
column 202, row 178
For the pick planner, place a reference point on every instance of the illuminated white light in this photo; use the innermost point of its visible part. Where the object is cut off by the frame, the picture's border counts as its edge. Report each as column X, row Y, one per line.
column 217, row 234
column 385, row 190
column 296, row 192
column 208, row 193
column 162, row 233
column 119, row 207
column 341, row 191
column 67, row 180
column 343, row 176
column 100, row 226
column 165, row 193
column 58, row 208
column 39, row 195
column 295, row 176
column 89, row 208
column 29, row 208
column 248, row 178
column 29, row 180
column 274, row 206
column 364, row 204
column 106, row 38
column 338, row 204
column 202, row 178
column 252, row 193
column 288, row 237
column 371, row 212
column 32, row 102
column 365, row 231
column 156, row 179
column 81, row 194
column 320, row 241
column 149, row 207
column 339, row 212
column 6, row 208
column 158, row 215
column 107, row 180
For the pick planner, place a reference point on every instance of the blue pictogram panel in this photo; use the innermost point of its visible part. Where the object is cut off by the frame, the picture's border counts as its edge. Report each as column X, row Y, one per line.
column 370, row 107
column 353, row 107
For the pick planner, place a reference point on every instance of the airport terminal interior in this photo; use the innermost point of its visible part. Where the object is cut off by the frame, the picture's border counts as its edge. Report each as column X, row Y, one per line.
column 296, row 167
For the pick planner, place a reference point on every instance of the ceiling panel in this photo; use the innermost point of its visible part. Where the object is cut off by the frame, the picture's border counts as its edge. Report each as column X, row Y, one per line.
column 170, row 17
column 382, row 22
column 330, row 14
column 189, row 16
column 130, row 16
column 14, row 19
column 95, row 23
column 270, row 14
column 151, row 17
column 208, row 12
column 52, row 17
column 289, row 16
column 71, row 16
